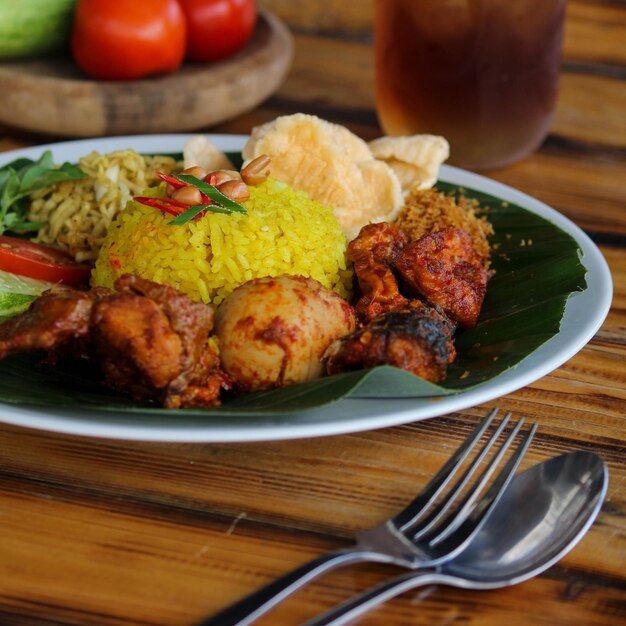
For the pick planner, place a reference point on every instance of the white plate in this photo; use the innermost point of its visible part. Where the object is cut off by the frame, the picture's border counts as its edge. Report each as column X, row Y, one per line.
column 584, row 314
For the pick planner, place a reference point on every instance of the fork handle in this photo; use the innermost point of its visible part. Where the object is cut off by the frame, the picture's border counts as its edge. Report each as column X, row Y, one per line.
column 259, row 602
column 356, row 606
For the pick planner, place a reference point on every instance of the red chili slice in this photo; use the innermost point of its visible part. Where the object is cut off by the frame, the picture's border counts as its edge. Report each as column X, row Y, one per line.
column 168, row 205
column 170, row 180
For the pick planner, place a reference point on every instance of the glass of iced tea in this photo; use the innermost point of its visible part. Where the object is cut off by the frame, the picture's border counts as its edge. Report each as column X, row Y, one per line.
column 482, row 73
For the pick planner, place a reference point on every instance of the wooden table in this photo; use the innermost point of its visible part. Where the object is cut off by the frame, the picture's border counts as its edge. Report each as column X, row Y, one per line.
column 119, row 533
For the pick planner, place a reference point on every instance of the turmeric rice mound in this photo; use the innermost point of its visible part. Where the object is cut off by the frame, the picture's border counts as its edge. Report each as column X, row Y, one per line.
column 428, row 211
column 283, row 232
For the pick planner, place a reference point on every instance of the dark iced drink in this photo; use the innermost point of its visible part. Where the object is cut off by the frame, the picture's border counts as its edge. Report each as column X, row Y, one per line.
column 482, row 73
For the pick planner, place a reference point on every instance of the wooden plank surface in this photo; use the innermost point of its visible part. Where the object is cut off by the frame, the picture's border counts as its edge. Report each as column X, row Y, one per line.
column 118, row 533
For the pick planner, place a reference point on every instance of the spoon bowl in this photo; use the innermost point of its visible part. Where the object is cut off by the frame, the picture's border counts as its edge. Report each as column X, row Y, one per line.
column 544, row 513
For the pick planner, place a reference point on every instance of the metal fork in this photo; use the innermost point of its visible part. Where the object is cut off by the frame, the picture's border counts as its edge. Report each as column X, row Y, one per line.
column 429, row 531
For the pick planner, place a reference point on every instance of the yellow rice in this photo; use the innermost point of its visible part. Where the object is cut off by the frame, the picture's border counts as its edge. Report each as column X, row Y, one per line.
column 283, row 232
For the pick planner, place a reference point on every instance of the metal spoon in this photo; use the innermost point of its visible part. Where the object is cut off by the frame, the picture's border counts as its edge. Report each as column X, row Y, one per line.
column 541, row 516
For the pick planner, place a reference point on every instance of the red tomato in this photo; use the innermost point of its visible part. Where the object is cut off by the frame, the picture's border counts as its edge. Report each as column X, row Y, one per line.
column 30, row 259
column 217, row 28
column 128, row 39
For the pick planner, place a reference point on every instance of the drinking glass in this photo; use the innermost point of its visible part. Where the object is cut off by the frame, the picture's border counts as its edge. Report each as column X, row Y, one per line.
column 482, row 73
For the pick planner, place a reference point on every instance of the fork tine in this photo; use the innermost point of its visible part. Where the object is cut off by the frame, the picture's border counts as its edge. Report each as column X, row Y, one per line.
column 468, row 521
column 464, row 508
column 437, row 513
column 416, row 508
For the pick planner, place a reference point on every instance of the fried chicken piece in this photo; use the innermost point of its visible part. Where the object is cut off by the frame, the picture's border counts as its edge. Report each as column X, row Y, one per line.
column 444, row 268
column 416, row 337
column 149, row 340
column 190, row 322
column 206, row 381
column 137, row 350
column 373, row 252
column 427, row 211
column 55, row 318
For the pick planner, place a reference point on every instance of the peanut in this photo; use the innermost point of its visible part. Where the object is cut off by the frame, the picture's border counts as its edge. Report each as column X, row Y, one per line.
column 188, row 195
column 235, row 189
column 256, row 172
column 195, row 170
column 218, row 177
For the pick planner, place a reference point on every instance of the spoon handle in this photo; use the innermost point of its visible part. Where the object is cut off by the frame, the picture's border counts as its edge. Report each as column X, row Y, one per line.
column 356, row 606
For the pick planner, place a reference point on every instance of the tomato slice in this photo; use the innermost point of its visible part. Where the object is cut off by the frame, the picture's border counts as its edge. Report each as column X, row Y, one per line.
column 30, row 259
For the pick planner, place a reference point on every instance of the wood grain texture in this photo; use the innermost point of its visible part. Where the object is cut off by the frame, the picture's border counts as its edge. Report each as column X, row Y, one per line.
column 98, row 532
column 594, row 33
column 348, row 18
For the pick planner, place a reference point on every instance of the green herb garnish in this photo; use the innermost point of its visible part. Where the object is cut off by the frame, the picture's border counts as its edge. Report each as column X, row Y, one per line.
column 195, row 210
column 212, row 192
column 22, row 177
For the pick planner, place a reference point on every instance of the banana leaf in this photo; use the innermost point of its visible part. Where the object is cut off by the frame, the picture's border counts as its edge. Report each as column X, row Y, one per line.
column 537, row 266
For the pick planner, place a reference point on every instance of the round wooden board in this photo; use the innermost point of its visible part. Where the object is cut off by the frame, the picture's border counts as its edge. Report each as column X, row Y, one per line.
column 51, row 96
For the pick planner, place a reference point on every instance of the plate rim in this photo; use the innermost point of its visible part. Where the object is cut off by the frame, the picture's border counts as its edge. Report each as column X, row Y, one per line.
column 584, row 314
